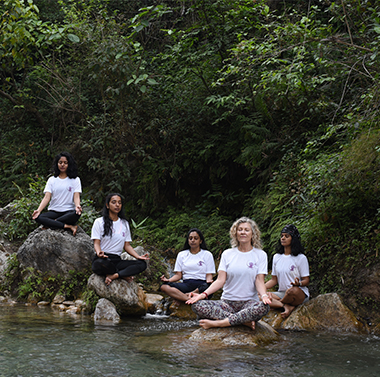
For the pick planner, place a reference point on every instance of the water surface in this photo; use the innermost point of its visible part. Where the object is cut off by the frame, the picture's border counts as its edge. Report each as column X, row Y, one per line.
column 42, row 342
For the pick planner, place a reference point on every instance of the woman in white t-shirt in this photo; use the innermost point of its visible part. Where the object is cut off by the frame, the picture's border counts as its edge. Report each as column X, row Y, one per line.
column 290, row 271
column 111, row 237
column 63, row 192
column 194, row 265
column 241, row 275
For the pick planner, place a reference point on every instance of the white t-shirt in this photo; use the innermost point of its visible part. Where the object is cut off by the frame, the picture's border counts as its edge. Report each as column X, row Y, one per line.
column 287, row 268
column 62, row 193
column 242, row 269
column 120, row 235
column 194, row 266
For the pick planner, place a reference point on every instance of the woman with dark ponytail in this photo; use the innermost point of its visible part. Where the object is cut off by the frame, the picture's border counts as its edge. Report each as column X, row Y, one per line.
column 111, row 235
column 290, row 271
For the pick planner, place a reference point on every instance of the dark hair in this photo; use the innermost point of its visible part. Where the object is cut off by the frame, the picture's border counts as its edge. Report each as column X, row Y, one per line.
column 72, row 169
column 108, row 223
column 295, row 245
column 203, row 242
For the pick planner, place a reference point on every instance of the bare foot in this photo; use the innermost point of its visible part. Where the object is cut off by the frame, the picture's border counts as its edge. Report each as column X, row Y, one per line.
column 110, row 278
column 206, row 323
column 251, row 325
column 73, row 228
column 108, row 281
column 287, row 310
column 128, row 279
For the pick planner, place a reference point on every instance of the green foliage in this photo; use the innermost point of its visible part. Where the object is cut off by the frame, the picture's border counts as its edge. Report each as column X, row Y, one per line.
column 73, row 285
column 90, row 298
column 33, row 285
column 21, row 223
column 89, row 214
column 42, row 286
column 21, row 32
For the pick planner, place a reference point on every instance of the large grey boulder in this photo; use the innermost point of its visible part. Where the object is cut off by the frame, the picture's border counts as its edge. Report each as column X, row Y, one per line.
column 236, row 336
column 326, row 312
column 128, row 297
column 57, row 251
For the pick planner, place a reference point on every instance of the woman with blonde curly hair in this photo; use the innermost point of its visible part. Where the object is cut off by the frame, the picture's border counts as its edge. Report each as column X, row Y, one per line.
column 241, row 275
column 256, row 241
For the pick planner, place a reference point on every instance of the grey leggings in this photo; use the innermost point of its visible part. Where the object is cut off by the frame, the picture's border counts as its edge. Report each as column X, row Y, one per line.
column 237, row 312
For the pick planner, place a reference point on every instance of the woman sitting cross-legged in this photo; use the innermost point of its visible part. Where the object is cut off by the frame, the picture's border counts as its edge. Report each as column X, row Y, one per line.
column 111, row 236
column 195, row 265
column 63, row 192
column 290, row 271
column 241, row 275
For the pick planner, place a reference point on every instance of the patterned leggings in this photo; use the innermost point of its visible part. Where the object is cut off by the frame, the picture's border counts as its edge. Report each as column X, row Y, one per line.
column 237, row 312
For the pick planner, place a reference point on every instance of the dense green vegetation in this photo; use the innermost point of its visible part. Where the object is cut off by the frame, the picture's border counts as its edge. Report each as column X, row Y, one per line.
column 202, row 111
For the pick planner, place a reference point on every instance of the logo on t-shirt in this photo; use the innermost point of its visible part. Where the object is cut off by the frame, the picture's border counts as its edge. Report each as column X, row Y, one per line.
column 294, row 271
column 123, row 233
column 70, row 188
column 251, row 265
column 201, row 263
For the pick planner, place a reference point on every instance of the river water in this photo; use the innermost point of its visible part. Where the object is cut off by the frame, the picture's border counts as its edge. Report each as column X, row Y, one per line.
column 42, row 342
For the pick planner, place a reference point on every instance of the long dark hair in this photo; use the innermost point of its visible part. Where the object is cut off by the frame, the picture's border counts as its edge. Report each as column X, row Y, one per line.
column 108, row 223
column 72, row 169
column 295, row 245
column 203, row 242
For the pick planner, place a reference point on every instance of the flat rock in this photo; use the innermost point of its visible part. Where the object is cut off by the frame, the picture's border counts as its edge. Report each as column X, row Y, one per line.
column 43, row 303
column 237, row 336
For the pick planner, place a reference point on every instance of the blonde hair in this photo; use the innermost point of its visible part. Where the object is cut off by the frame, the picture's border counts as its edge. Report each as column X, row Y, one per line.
column 255, row 241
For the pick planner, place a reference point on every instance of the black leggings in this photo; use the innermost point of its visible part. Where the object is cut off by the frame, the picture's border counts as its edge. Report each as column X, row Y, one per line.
column 57, row 220
column 114, row 264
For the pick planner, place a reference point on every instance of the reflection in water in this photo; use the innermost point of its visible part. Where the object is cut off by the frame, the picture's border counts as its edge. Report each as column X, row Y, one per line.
column 41, row 342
